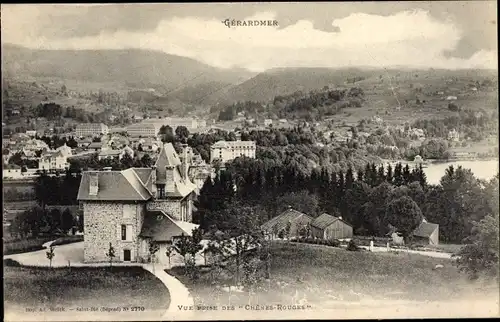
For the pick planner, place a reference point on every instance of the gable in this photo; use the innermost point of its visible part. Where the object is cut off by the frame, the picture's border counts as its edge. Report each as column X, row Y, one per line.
column 113, row 186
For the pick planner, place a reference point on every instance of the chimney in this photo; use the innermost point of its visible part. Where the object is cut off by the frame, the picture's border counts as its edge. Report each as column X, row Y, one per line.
column 94, row 184
column 185, row 162
column 152, row 182
column 170, row 179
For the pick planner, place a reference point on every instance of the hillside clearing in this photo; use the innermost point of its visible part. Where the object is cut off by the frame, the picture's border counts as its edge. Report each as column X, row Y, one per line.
column 329, row 277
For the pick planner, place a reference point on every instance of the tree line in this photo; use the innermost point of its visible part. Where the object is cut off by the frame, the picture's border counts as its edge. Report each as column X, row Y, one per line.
column 369, row 199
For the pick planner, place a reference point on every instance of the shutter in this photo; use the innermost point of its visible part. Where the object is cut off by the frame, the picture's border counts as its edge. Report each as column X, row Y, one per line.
column 119, row 232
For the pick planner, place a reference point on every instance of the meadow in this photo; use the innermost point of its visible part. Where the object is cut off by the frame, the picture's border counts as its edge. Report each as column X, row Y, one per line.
column 72, row 288
column 330, row 277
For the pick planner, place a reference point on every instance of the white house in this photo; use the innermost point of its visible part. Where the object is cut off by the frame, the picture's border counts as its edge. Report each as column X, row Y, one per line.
column 11, row 171
column 53, row 160
column 228, row 150
column 454, row 136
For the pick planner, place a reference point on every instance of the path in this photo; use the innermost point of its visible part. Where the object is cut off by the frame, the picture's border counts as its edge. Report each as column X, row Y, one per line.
column 179, row 294
column 377, row 249
column 72, row 255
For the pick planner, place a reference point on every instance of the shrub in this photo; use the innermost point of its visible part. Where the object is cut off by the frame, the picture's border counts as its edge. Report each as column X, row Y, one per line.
column 11, row 263
column 352, row 246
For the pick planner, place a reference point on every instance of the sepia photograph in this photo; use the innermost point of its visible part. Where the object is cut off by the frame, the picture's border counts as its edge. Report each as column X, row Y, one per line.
column 250, row 161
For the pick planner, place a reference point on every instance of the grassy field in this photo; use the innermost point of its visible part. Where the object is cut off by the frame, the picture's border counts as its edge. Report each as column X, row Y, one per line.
column 25, row 245
column 83, row 287
column 329, row 276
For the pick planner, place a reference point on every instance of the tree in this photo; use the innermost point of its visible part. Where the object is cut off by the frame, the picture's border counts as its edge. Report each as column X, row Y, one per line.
column 404, row 214
column 50, row 255
column 240, row 227
column 302, row 201
column 170, row 252
column 153, row 249
column 188, row 247
column 110, row 254
column 480, row 255
column 182, row 133
column 67, row 220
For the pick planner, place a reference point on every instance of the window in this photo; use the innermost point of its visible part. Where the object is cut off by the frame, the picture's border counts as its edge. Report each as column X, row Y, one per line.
column 124, row 232
column 161, row 191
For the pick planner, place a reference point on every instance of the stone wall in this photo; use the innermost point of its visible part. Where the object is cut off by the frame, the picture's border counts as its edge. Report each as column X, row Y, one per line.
column 102, row 226
column 171, row 207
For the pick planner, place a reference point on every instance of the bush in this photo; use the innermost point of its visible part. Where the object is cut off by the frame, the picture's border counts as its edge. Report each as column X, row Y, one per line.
column 68, row 240
column 11, row 263
column 334, row 243
column 352, row 246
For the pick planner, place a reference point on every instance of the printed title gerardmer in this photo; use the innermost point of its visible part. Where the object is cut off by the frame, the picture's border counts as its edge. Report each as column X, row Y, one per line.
column 250, row 23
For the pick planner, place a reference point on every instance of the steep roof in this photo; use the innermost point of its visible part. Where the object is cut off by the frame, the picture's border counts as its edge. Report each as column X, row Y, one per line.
column 425, row 229
column 114, row 186
column 161, row 227
column 281, row 220
column 144, row 174
column 324, row 221
column 167, row 157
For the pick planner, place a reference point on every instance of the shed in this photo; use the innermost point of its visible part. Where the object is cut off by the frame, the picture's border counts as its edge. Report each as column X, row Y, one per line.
column 427, row 233
column 329, row 227
column 297, row 220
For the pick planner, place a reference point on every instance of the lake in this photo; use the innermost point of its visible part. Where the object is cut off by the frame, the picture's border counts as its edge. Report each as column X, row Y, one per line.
column 482, row 169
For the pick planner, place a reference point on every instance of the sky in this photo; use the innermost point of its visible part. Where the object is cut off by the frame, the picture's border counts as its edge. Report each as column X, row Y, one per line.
column 423, row 34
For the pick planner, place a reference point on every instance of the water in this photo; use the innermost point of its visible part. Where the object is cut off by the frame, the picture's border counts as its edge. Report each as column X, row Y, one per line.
column 482, row 169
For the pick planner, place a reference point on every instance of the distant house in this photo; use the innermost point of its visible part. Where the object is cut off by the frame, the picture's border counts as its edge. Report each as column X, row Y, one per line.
column 283, row 121
column 330, row 227
column 297, row 220
column 83, row 143
column 31, row 133
column 426, row 233
column 451, row 98
column 268, row 122
column 11, row 171
column 95, row 146
column 453, row 135
column 418, row 159
column 53, row 160
column 111, row 154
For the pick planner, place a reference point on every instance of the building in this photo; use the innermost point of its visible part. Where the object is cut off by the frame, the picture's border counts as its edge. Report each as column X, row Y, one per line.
column 426, row 233
column 329, row 227
column 292, row 219
column 31, row 133
column 11, row 171
column 228, row 150
column 65, row 150
column 453, row 135
column 96, row 146
column 110, row 154
column 143, row 130
column 53, row 161
column 268, row 122
column 418, row 159
column 83, row 143
column 91, row 129
column 128, row 209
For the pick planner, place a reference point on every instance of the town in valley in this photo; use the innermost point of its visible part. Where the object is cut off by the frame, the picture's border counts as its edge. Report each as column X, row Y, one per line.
column 181, row 181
